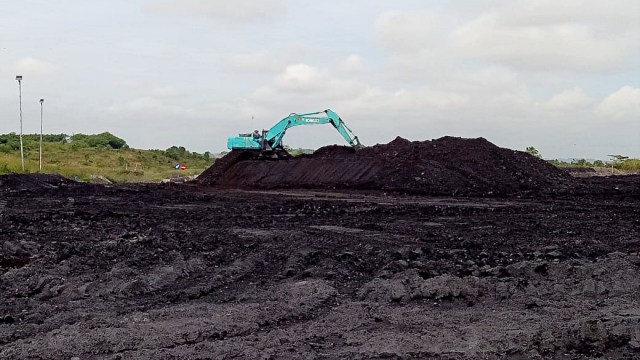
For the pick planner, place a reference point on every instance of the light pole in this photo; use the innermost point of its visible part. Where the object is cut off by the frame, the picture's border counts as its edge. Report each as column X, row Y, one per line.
column 41, row 101
column 19, row 78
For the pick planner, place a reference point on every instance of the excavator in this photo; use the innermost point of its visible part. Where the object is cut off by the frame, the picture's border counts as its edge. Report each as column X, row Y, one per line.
column 268, row 144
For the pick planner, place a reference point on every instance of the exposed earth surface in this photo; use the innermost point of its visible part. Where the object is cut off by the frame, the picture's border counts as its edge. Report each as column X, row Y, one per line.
column 520, row 262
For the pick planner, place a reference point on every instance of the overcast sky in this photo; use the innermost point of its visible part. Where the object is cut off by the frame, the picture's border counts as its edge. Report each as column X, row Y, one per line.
column 563, row 76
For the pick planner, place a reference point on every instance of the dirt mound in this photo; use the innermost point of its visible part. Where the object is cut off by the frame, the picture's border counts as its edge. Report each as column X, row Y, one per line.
column 19, row 182
column 334, row 151
column 445, row 166
column 215, row 172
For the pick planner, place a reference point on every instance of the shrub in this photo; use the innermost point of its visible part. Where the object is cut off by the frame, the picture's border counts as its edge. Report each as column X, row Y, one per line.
column 104, row 140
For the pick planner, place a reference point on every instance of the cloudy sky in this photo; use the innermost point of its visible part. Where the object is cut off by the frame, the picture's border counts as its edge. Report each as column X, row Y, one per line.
column 563, row 76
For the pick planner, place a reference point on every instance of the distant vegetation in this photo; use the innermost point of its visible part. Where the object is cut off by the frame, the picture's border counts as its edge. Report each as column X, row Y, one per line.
column 85, row 156
column 627, row 164
column 617, row 161
column 298, row 151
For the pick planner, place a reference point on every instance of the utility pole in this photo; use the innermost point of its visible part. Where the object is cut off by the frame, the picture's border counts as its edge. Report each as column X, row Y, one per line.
column 41, row 101
column 19, row 78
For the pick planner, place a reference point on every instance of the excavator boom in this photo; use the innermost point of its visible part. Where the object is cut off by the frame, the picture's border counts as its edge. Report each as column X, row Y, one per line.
column 271, row 140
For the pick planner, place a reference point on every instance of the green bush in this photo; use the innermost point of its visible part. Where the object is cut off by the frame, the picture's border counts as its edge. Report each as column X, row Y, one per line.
column 78, row 144
column 104, row 140
column 59, row 138
column 176, row 152
column 629, row 164
column 7, row 148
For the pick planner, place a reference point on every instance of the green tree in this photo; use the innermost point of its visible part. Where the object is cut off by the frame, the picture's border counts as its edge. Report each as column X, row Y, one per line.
column 176, row 152
column 103, row 140
column 581, row 163
column 617, row 160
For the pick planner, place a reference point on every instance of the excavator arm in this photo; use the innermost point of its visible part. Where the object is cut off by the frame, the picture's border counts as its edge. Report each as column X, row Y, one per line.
column 271, row 140
column 276, row 133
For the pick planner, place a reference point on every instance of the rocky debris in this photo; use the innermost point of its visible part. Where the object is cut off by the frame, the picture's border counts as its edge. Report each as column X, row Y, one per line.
column 178, row 179
column 598, row 171
column 14, row 255
column 408, row 285
column 99, row 179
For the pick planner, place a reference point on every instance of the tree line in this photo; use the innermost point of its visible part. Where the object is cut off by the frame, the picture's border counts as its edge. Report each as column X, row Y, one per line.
column 11, row 143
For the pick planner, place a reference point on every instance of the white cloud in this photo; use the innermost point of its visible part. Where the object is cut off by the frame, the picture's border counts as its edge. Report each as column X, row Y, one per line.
column 236, row 10
column 304, row 79
column 166, row 92
column 407, row 101
column 603, row 16
column 352, row 64
column 148, row 105
column 307, row 83
column 252, row 62
column 624, row 103
column 477, row 95
column 401, row 30
column 30, row 66
column 417, row 51
column 543, row 47
column 301, row 78
column 572, row 36
column 492, row 80
column 574, row 99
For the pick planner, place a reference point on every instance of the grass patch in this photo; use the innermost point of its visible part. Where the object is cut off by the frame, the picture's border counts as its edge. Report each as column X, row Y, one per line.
column 118, row 165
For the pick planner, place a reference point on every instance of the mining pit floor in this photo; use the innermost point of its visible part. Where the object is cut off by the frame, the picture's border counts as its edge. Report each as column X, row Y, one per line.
column 191, row 272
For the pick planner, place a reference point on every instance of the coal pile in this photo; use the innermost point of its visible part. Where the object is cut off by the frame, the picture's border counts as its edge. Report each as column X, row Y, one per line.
column 445, row 166
column 223, row 164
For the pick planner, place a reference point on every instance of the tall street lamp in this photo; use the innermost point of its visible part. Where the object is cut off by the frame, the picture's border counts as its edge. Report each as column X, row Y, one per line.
column 19, row 78
column 41, row 101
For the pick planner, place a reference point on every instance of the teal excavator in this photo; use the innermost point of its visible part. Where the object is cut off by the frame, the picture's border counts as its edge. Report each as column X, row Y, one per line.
column 269, row 143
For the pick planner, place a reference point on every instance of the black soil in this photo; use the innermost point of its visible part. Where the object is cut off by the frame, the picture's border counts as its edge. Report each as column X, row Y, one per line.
column 189, row 272
column 9, row 182
column 446, row 166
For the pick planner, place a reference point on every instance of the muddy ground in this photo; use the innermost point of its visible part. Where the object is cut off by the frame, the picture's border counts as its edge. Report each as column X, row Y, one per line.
column 186, row 272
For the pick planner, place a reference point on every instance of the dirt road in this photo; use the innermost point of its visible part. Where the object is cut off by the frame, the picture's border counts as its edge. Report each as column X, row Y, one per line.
column 181, row 272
